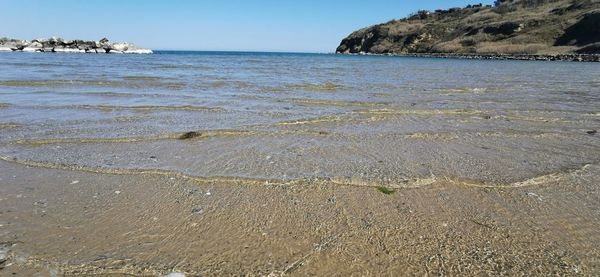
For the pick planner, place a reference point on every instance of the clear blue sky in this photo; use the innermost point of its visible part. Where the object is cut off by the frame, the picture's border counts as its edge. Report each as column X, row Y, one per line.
column 253, row 25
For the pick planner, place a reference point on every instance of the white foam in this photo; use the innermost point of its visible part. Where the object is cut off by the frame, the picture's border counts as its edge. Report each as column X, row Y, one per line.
column 68, row 50
column 139, row 51
column 174, row 274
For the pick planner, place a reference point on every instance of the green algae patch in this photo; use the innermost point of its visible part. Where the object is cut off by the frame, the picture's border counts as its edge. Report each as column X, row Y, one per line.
column 386, row 191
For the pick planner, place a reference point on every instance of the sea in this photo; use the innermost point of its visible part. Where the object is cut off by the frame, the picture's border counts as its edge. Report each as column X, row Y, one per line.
column 358, row 120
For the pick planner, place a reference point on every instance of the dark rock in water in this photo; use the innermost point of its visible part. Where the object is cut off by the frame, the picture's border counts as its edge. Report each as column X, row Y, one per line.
column 190, row 135
column 592, row 132
column 56, row 44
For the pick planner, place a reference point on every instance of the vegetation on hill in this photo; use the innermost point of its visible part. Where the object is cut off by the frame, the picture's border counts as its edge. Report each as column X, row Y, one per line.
column 507, row 27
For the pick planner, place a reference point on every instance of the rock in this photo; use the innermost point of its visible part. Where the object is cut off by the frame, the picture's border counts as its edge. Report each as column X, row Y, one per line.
column 535, row 195
column 121, row 47
column 86, row 45
column 12, row 44
column 4, row 248
column 59, row 45
column 593, row 48
column 585, row 31
column 35, row 46
column 592, row 132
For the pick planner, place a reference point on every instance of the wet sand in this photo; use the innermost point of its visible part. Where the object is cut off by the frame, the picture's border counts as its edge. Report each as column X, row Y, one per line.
column 77, row 222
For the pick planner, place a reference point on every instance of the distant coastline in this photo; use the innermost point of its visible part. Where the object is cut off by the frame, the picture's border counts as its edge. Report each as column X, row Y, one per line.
column 59, row 45
column 514, row 57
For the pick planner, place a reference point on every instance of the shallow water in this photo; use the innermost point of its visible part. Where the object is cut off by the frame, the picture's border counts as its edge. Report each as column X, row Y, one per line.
column 357, row 120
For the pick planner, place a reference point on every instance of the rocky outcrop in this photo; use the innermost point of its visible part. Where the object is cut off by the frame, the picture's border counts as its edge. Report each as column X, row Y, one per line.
column 59, row 45
column 561, row 28
column 586, row 31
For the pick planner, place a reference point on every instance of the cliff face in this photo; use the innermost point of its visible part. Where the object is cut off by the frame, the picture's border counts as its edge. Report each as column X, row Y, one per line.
column 509, row 27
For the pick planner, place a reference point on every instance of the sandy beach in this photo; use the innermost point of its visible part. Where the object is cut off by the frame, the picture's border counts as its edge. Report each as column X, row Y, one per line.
column 80, row 222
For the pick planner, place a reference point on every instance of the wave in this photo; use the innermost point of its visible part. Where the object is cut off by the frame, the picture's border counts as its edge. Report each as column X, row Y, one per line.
column 465, row 90
column 316, row 120
column 9, row 125
column 185, row 67
column 101, row 94
column 192, row 135
column 318, row 87
column 323, row 102
column 419, row 112
column 550, row 178
column 145, row 78
column 230, row 180
column 146, row 108
column 93, row 83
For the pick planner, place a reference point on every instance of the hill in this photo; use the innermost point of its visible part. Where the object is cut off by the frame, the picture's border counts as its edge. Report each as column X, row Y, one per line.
column 510, row 27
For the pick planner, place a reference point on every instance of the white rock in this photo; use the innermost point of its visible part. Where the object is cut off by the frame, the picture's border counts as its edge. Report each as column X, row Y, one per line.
column 5, row 49
column 122, row 47
column 33, row 47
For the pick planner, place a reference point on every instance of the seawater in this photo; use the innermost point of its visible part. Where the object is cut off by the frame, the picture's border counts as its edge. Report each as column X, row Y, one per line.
column 360, row 120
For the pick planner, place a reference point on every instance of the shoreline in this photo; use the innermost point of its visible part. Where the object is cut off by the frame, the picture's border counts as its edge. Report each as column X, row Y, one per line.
column 505, row 57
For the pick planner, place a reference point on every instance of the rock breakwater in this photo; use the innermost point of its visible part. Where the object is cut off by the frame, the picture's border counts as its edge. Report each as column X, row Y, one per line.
column 59, row 45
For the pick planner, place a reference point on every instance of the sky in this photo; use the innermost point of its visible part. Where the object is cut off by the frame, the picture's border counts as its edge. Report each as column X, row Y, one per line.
column 216, row 25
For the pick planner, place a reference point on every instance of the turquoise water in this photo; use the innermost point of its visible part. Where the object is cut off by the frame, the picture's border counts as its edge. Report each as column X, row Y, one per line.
column 358, row 119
